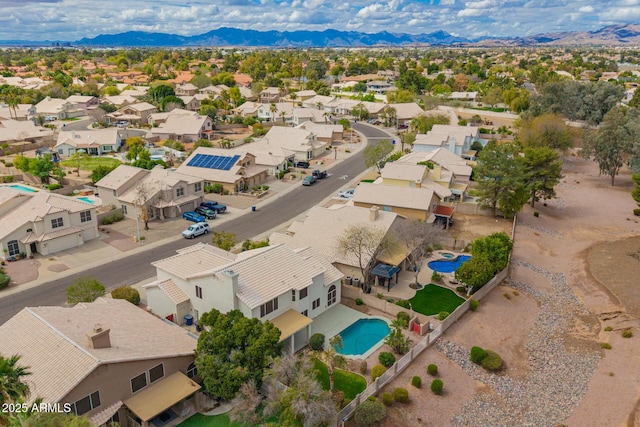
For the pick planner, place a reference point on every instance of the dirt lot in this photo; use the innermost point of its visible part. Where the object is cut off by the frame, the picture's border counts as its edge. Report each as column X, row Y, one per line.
column 574, row 272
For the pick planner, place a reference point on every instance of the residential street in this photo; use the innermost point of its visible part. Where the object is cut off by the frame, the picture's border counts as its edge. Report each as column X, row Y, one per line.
column 137, row 266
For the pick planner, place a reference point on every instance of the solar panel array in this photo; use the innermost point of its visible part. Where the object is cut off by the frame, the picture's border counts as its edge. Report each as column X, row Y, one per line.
column 209, row 161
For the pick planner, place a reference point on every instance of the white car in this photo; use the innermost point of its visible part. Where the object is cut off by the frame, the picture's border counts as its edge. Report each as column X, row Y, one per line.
column 346, row 194
column 196, row 230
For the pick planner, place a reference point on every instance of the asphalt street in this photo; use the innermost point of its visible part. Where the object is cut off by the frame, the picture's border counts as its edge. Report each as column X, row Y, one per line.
column 137, row 267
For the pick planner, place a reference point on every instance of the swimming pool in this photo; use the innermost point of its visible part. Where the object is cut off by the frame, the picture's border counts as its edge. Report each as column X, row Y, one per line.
column 448, row 266
column 362, row 335
column 87, row 200
column 22, row 188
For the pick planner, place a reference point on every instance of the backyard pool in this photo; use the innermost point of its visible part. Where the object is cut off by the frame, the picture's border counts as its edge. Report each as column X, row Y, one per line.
column 362, row 335
column 448, row 266
column 22, row 188
column 86, row 200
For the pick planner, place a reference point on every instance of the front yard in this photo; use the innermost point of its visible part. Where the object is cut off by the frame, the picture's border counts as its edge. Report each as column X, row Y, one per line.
column 90, row 163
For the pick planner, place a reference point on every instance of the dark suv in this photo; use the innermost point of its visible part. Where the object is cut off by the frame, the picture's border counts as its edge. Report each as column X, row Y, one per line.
column 302, row 164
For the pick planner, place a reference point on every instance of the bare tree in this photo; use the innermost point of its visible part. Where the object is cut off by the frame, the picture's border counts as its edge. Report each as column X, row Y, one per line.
column 364, row 243
column 417, row 238
column 245, row 405
column 144, row 195
column 97, row 114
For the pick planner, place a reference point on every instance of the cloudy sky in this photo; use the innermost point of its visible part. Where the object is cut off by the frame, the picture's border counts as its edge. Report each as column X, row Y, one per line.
column 74, row 19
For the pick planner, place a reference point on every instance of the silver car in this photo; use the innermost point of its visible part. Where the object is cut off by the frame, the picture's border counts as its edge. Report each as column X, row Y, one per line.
column 196, row 230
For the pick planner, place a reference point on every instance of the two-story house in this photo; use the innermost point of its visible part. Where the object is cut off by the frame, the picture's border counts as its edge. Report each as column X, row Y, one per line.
column 132, row 113
column 58, row 108
column 107, row 360
column 43, row 222
column 270, row 95
column 276, row 283
column 163, row 193
column 184, row 127
column 457, row 139
column 185, row 89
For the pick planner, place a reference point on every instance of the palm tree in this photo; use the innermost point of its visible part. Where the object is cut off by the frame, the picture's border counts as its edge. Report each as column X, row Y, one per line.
column 332, row 358
column 273, row 109
column 12, row 389
column 283, row 114
column 293, row 97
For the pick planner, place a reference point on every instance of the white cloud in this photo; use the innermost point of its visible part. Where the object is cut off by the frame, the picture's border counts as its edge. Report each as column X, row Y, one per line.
column 586, row 9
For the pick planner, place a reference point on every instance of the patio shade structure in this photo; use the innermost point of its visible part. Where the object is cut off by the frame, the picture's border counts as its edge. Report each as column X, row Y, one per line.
column 386, row 271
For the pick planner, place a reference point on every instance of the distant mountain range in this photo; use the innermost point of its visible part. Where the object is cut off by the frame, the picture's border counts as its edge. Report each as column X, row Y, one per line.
column 626, row 35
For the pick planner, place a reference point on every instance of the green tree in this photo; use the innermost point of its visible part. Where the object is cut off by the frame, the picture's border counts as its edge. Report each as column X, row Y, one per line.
column 126, row 292
column 42, row 167
column 224, row 240
column 158, row 93
column 330, row 357
column 370, row 413
column 100, row 172
column 543, row 171
column 475, row 273
column 78, row 157
column 423, row 124
column 396, row 339
column 375, row 154
column 233, row 350
column 636, row 191
column 400, row 96
column 135, row 146
column 12, row 387
column 86, row 289
column 55, row 419
column 548, row 130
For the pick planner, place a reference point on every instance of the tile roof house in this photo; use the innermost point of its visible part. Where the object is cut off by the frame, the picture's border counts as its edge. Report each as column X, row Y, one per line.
column 405, row 112
column 458, row 139
column 302, row 142
column 409, row 202
column 269, row 95
column 132, row 113
column 185, row 89
column 59, row 108
column 276, row 283
column 93, row 142
column 162, row 193
column 323, row 132
column 184, row 127
column 23, row 130
column 108, row 360
column 43, row 222
column 449, row 170
column 120, row 100
column 84, row 102
column 234, row 169
column 21, row 112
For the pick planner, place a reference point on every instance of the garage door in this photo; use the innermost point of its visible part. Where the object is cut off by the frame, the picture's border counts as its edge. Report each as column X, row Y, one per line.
column 186, row 207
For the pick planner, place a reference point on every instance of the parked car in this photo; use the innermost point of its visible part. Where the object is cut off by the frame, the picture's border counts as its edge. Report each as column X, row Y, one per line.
column 302, row 164
column 319, row 174
column 346, row 194
column 122, row 124
column 196, row 230
column 214, row 206
column 206, row 212
column 442, row 221
column 309, row 180
column 193, row 216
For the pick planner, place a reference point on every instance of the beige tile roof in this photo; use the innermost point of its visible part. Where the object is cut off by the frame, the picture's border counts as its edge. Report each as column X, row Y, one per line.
column 53, row 342
column 393, row 195
column 404, row 171
column 194, row 260
column 170, row 289
column 98, row 137
column 441, row 156
column 18, row 130
column 183, row 124
column 120, row 176
column 407, row 110
column 294, row 139
column 45, row 237
column 329, row 224
column 320, row 129
column 157, row 180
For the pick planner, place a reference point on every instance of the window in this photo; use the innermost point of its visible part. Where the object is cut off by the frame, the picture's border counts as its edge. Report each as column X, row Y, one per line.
column 87, row 404
column 303, row 293
column 85, row 216
column 179, row 192
column 114, row 193
column 198, row 186
column 60, row 151
column 305, row 313
column 57, row 223
column 269, row 307
column 156, row 373
column 198, row 292
column 331, row 295
column 124, row 209
column 139, row 382
column 192, row 371
column 13, row 248
column 387, row 208
column 316, row 304
column 293, row 294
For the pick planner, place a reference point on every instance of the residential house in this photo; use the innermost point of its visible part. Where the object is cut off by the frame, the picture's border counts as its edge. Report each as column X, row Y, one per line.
column 161, row 193
column 191, row 102
column 248, row 109
column 93, row 142
column 323, row 132
column 379, row 86
column 303, row 95
column 457, row 139
column 120, row 100
column 463, row 96
column 184, row 127
column 302, row 142
column 185, row 89
column 43, row 222
column 276, row 283
column 450, row 170
column 132, row 113
column 302, row 114
column 270, row 95
column 107, row 360
column 406, row 112
column 409, row 202
column 271, row 156
column 14, row 131
column 84, row 102
column 235, row 170
column 20, row 112
column 156, row 118
column 58, row 108
column 214, row 91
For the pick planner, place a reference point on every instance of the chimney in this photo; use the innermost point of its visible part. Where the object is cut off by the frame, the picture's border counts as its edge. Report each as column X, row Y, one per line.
column 231, row 285
column 99, row 338
column 418, row 183
column 373, row 213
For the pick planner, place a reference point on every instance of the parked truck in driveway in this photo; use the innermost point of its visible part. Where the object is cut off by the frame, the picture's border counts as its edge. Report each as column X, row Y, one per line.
column 319, row 174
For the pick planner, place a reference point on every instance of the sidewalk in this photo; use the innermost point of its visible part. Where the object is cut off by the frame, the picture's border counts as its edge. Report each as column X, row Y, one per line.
column 116, row 241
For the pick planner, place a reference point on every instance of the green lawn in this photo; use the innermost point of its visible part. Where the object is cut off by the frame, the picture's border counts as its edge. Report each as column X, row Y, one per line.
column 90, row 163
column 432, row 299
column 349, row 383
column 199, row 420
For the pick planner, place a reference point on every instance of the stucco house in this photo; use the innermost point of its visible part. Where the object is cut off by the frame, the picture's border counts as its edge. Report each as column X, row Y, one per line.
column 184, row 127
column 302, row 142
column 93, row 142
column 23, row 130
column 132, row 113
column 107, row 360
column 58, row 108
column 457, row 139
column 276, row 283
column 43, row 222
column 84, row 102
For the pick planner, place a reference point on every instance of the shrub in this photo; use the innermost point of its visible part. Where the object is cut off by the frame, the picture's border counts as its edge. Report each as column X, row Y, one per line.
column 316, row 342
column 608, row 329
column 477, row 354
column 377, row 371
column 432, row 369
column 370, row 413
column 605, row 345
column 403, row 303
column 473, row 305
column 627, row 333
column 128, row 293
column 114, row 217
column 401, row 395
column 492, row 361
column 536, row 214
column 435, row 277
column 363, row 367
column 403, row 317
column 461, row 289
column 338, row 397
column 359, row 301
column 387, row 399
column 386, row 359
column 436, row 386
column 4, row 281
column 52, row 187
column 416, row 381
column 443, row 315
column 636, row 212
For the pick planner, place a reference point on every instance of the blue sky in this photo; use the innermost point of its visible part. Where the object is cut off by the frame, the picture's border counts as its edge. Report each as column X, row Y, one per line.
column 74, row 19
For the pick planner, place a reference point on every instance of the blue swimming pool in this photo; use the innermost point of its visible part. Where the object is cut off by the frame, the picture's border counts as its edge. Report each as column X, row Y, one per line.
column 448, row 266
column 22, row 188
column 360, row 336
column 86, row 200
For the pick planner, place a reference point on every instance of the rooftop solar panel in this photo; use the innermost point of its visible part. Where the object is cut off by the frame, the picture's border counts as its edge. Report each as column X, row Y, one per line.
column 209, row 161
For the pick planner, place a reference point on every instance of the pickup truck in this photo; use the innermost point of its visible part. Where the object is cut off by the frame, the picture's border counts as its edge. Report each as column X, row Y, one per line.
column 214, row 206
column 319, row 174
column 309, row 180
